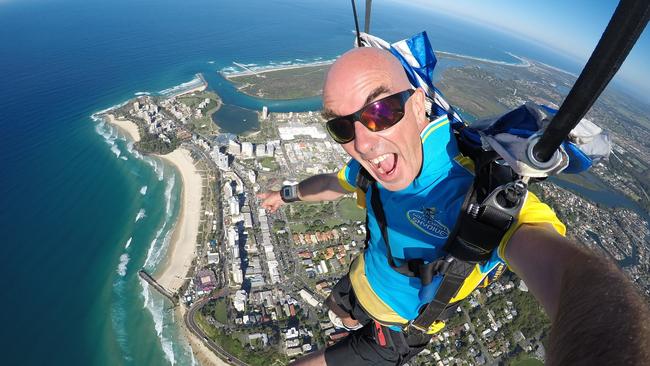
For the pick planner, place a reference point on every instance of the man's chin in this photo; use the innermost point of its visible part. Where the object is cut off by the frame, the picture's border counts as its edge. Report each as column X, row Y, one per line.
column 395, row 186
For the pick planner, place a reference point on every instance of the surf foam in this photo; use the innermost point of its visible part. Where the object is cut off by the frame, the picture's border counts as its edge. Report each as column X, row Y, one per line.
column 121, row 268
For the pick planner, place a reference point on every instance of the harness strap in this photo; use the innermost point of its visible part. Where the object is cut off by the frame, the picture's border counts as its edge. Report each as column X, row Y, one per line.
column 451, row 283
column 411, row 268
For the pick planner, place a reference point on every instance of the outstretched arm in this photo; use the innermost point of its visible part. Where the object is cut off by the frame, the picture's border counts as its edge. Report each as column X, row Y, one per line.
column 321, row 187
column 597, row 315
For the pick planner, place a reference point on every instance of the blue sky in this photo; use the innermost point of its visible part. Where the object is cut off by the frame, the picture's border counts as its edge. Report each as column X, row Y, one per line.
column 570, row 26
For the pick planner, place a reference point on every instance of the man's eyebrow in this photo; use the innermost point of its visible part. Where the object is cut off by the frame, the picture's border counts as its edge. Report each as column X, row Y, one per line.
column 382, row 89
column 328, row 114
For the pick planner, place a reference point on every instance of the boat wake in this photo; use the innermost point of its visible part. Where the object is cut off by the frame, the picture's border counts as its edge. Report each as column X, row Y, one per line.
column 141, row 215
column 128, row 243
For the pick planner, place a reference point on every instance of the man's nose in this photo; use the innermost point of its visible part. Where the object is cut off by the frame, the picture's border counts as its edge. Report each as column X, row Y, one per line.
column 364, row 139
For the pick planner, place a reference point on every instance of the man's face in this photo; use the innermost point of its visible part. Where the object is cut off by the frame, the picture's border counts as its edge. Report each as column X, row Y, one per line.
column 393, row 156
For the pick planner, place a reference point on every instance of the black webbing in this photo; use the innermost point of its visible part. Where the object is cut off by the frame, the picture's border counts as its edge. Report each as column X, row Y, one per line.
column 356, row 23
column 413, row 267
column 451, row 283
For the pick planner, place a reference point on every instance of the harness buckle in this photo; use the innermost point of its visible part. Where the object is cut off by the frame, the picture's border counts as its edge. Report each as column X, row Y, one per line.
column 507, row 198
column 411, row 325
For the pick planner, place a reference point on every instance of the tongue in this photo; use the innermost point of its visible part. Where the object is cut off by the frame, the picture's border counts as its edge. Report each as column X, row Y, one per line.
column 388, row 164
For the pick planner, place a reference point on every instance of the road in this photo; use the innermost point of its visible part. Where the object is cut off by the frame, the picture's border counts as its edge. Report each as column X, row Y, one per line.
column 194, row 328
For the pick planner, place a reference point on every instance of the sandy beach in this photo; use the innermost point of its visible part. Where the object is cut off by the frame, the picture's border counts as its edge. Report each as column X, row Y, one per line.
column 130, row 129
column 182, row 248
column 266, row 69
column 203, row 354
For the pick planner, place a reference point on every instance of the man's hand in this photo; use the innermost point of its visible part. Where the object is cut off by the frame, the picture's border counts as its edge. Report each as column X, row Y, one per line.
column 271, row 200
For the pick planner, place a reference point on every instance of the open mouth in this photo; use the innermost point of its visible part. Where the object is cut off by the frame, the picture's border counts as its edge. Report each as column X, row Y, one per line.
column 385, row 164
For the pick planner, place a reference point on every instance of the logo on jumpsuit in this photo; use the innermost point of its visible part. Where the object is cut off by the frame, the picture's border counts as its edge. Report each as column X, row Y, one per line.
column 426, row 221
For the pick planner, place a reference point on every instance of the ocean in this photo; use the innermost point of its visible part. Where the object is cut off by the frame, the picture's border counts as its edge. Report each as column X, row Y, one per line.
column 81, row 212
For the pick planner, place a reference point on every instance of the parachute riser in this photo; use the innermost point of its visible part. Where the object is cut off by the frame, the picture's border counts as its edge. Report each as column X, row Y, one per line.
column 622, row 32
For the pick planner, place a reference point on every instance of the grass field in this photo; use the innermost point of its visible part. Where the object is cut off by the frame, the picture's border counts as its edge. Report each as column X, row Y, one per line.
column 302, row 82
column 348, row 210
column 527, row 361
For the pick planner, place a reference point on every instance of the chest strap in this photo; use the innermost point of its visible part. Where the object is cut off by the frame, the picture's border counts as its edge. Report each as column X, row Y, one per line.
column 477, row 232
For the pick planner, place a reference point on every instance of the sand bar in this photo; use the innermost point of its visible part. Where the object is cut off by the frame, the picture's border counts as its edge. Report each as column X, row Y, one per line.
column 182, row 248
column 129, row 128
column 261, row 70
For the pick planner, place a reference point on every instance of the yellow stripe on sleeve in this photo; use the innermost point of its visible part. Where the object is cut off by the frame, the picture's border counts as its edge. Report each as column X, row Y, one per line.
column 343, row 181
column 533, row 212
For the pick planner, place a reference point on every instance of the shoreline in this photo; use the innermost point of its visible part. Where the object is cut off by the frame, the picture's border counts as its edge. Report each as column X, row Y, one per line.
column 272, row 68
column 182, row 249
column 127, row 127
column 203, row 354
column 186, row 88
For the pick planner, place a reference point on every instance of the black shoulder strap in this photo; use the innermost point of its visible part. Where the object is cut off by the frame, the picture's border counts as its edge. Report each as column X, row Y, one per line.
column 412, row 267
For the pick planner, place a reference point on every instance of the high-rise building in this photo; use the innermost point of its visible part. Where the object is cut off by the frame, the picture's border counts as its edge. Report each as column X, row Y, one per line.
column 247, row 150
column 234, row 147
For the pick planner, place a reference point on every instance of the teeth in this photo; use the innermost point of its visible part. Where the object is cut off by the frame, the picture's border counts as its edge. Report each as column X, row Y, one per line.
column 379, row 159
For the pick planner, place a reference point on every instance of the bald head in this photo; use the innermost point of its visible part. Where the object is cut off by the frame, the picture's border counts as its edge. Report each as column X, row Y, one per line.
column 369, row 71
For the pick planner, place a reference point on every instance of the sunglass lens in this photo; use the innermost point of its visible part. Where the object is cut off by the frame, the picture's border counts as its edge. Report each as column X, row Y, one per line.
column 382, row 114
column 341, row 129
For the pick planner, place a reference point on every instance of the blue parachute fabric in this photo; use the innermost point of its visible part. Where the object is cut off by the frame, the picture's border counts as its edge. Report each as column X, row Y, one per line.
column 519, row 119
column 419, row 62
column 421, row 50
column 578, row 160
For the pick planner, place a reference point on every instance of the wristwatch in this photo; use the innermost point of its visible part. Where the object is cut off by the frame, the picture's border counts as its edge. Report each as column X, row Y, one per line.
column 289, row 193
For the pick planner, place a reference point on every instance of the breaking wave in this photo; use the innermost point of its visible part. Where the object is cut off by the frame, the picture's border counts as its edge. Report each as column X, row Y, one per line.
column 179, row 89
column 121, row 268
column 157, row 307
column 168, row 195
column 158, row 167
column 116, row 150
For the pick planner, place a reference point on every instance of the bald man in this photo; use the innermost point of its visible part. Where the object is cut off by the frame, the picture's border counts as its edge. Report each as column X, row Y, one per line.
column 381, row 122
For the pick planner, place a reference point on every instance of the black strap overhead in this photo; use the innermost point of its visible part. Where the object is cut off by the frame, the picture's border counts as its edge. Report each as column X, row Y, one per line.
column 626, row 25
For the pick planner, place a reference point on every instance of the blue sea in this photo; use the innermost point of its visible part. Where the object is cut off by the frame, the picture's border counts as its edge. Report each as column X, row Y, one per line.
column 80, row 211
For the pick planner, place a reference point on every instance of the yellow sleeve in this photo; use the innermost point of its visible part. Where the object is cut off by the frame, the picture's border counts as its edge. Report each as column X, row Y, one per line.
column 533, row 212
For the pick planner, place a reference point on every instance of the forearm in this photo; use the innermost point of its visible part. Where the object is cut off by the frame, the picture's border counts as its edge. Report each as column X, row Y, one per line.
column 321, row 187
column 596, row 313
column 540, row 257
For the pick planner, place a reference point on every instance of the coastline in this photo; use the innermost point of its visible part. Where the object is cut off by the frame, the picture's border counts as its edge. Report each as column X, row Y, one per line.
column 264, row 69
column 203, row 354
column 127, row 127
column 182, row 250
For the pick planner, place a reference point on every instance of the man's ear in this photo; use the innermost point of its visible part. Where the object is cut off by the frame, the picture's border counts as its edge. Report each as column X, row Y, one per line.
column 419, row 108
